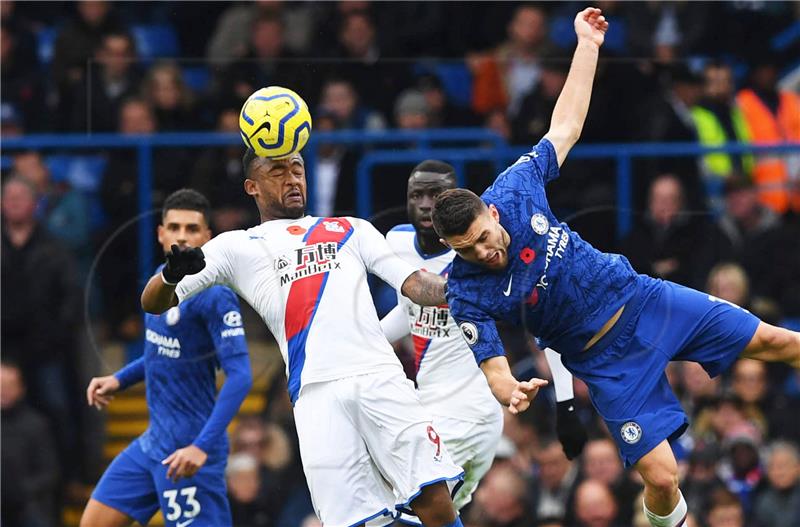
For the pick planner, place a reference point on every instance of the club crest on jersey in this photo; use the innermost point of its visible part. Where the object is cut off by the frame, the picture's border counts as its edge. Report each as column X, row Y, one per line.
column 173, row 316
column 539, row 223
column 470, row 332
column 333, row 226
column 631, row 432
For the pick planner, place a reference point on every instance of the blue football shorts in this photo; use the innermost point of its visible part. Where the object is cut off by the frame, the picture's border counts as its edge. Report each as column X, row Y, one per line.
column 624, row 370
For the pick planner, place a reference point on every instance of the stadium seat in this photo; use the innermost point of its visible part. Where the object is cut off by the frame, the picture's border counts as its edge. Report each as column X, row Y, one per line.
column 45, row 44
column 155, row 41
column 196, row 77
column 83, row 173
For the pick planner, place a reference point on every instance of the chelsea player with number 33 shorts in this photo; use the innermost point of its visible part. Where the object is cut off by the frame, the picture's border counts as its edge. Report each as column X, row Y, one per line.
column 615, row 329
column 178, row 464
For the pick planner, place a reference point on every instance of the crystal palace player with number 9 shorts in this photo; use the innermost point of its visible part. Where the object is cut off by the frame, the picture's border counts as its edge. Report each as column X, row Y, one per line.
column 367, row 444
column 615, row 330
column 178, row 464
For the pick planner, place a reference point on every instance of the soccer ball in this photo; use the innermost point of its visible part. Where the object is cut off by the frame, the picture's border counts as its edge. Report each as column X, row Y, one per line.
column 275, row 122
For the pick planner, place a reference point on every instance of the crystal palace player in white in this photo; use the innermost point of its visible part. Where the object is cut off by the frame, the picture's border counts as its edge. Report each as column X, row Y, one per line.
column 449, row 382
column 367, row 444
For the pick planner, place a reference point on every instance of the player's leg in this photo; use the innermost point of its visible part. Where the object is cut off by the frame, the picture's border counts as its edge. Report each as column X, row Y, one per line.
column 406, row 447
column 125, row 492
column 98, row 514
column 664, row 505
column 200, row 500
column 774, row 344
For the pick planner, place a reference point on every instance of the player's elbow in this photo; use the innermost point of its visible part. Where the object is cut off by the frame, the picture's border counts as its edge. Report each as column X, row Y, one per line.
column 566, row 133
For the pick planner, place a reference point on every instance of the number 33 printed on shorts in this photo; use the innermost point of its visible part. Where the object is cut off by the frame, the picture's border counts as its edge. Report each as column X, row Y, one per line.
column 190, row 509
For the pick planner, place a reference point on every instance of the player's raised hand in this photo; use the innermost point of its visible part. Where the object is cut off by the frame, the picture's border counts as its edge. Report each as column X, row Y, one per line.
column 98, row 394
column 591, row 25
column 523, row 395
column 184, row 462
column 182, row 261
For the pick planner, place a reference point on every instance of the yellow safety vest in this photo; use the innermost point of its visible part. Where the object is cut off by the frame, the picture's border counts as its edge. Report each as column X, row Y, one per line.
column 712, row 133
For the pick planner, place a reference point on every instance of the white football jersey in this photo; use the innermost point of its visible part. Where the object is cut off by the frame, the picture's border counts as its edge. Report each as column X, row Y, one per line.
column 307, row 278
column 449, row 380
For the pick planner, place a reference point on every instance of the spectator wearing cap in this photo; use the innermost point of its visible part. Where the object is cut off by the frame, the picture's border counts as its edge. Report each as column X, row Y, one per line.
column 772, row 116
column 740, row 468
column 778, row 505
column 411, row 111
column 750, row 235
column 247, row 501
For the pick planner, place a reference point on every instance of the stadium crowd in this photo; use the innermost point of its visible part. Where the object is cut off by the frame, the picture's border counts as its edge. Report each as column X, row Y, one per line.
column 691, row 72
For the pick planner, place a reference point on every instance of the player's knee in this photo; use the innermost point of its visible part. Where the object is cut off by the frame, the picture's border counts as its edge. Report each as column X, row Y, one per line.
column 663, row 483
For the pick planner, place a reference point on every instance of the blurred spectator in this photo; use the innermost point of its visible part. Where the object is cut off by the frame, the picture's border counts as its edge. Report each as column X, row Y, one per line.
column 218, row 172
column 725, row 511
column 497, row 121
column 267, row 62
column 340, row 101
column 10, row 120
column 21, row 86
column 670, row 242
column 667, row 117
column 553, row 489
column 500, row 500
column 61, row 209
column 411, row 110
column 29, row 465
column 667, row 31
column 74, row 46
column 442, row 112
column 334, row 175
column 698, row 388
column 115, row 77
column 601, row 462
column 751, row 384
column 778, row 504
column 595, row 505
column 719, row 120
column 728, row 281
column 377, row 82
column 23, row 29
column 40, row 309
column 772, row 116
column 170, row 98
column 740, row 468
column 247, row 499
column 701, row 477
column 751, row 236
column 533, row 119
column 502, row 79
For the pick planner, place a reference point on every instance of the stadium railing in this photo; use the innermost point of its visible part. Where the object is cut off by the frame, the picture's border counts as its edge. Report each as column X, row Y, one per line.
column 490, row 147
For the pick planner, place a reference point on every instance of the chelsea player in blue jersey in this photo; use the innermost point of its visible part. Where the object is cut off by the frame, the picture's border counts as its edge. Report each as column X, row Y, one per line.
column 178, row 464
column 614, row 328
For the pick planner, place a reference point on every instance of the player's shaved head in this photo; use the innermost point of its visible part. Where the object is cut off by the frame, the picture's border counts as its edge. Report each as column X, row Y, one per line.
column 428, row 179
column 470, row 228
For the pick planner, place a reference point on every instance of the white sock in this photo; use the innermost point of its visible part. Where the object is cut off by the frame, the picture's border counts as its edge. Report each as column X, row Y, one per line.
column 673, row 519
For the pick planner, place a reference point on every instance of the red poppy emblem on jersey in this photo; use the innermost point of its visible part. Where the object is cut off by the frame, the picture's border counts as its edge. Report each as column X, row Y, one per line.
column 295, row 229
column 527, row 255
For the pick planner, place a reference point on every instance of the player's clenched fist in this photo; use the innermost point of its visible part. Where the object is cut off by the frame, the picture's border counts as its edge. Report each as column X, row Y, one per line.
column 523, row 394
column 182, row 261
column 591, row 25
column 184, row 462
column 98, row 394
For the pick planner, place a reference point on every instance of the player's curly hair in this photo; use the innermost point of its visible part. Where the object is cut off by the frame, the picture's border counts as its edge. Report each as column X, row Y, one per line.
column 454, row 211
column 187, row 199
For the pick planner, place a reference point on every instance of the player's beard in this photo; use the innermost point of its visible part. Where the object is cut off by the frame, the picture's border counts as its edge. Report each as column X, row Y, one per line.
column 280, row 210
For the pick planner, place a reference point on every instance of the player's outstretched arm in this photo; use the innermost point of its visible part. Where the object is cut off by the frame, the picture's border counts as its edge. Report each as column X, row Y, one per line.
column 159, row 293
column 507, row 389
column 425, row 289
column 572, row 105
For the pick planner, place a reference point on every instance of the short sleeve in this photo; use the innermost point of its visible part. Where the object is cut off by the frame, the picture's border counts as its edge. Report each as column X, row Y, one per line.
column 378, row 257
column 533, row 169
column 477, row 328
column 218, row 269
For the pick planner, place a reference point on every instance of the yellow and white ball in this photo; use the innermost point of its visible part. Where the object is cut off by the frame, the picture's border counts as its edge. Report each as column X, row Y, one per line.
column 275, row 122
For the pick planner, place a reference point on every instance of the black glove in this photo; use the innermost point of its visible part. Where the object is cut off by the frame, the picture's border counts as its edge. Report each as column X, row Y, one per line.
column 569, row 428
column 180, row 262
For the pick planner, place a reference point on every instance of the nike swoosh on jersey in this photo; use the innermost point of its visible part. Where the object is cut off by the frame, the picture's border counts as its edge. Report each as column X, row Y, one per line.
column 508, row 289
column 184, row 524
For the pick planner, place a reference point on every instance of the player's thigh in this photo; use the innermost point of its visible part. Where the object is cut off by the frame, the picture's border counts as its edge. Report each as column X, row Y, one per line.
column 98, row 514
column 401, row 437
column 346, row 486
column 771, row 343
column 659, row 469
column 199, row 501
column 127, row 487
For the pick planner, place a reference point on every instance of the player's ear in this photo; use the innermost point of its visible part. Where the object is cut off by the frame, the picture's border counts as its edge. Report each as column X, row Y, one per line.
column 160, row 231
column 250, row 187
column 494, row 212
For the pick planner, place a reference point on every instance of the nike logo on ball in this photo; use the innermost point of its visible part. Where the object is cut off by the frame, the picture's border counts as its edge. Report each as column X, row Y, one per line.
column 508, row 289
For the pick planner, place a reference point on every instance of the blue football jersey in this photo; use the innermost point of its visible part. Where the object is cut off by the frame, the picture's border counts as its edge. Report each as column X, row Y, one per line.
column 183, row 348
column 561, row 288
